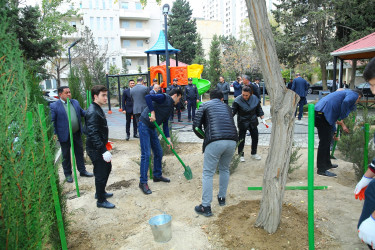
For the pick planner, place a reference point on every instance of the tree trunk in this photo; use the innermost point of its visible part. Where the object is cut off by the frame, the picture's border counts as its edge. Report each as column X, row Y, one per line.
column 352, row 78
column 323, row 68
column 283, row 106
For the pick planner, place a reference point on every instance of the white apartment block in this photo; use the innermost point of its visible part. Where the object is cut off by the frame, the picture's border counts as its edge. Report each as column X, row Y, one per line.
column 123, row 28
column 230, row 12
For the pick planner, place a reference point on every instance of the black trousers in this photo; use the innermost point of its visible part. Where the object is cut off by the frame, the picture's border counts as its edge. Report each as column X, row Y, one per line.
column 128, row 121
column 78, row 152
column 178, row 110
column 325, row 134
column 254, row 138
column 102, row 169
column 136, row 118
column 226, row 101
column 191, row 107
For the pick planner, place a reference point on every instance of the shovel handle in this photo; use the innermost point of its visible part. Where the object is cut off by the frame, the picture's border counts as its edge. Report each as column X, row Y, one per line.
column 200, row 131
column 166, row 140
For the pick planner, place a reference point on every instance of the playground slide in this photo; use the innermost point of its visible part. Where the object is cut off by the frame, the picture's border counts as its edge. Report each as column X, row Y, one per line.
column 203, row 85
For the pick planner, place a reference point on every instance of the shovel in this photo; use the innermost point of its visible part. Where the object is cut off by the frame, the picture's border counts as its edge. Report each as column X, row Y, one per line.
column 188, row 174
column 200, row 131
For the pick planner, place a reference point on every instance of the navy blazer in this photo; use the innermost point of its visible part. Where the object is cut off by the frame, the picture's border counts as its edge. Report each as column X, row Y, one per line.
column 300, row 86
column 60, row 121
column 127, row 101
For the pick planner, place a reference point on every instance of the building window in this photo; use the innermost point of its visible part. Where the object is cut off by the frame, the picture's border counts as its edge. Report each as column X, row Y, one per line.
column 139, row 43
column 128, row 62
column 103, row 2
column 73, row 24
column 99, row 41
column 97, row 4
column 107, row 63
column 110, row 4
column 126, row 43
column 125, row 24
column 90, row 4
column 113, row 61
column 104, row 23
column 138, row 24
column 124, row 5
column 141, row 62
column 91, row 23
column 111, row 23
column 112, row 42
column 138, row 6
column 98, row 23
column 106, row 42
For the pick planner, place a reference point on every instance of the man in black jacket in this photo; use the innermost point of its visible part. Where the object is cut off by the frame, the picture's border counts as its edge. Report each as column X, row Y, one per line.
column 127, row 104
column 223, row 86
column 97, row 139
column 177, row 105
column 191, row 98
column 215, row 118
column 248, row 109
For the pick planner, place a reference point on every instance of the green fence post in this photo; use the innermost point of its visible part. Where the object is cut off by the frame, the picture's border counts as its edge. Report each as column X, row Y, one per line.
column 55, row 194
column 90, row 97
column 310, row 174
column 292, row 188
column 365, row 151
column 87, row 99
column 73, row 158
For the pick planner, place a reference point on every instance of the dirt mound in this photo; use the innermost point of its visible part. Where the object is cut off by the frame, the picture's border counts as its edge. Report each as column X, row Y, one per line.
column 236, row 226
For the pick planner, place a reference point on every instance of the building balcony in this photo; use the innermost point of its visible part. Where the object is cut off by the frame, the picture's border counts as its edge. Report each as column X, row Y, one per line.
column 143, row 33
column 134, row 15
column 127, row 53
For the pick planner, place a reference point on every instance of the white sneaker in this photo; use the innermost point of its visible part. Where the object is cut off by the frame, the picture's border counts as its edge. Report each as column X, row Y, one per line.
column 256, row 157
column 242, row 159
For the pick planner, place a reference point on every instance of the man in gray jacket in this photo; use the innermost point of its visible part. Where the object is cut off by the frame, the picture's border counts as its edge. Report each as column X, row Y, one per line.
column 220, row 139
column 138, row 93
column 224, row 88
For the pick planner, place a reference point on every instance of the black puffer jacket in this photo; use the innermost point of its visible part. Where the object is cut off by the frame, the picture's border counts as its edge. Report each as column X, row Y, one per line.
column 217, row 120
column 96, row 130
column 247, row 111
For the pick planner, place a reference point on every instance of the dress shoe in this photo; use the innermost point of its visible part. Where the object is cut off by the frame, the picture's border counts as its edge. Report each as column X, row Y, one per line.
column 69, row 178
column 106, row 195
column 179, row 120
column 189, row 120
column 161, row 178
column 86, row 174
column 144, row 187
column 326, row 173
column 127, row 137
column 136, row 136
column 105, row 204
column 334, row 166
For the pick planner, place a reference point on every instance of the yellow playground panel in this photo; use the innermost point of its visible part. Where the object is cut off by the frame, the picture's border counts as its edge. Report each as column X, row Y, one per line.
column 195, row 70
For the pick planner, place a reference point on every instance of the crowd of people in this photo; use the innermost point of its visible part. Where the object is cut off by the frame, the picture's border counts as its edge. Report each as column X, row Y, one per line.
column 216, row 119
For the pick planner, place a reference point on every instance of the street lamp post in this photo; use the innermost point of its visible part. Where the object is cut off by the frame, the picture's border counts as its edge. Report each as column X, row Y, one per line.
column 165, row 13
column 71, row 46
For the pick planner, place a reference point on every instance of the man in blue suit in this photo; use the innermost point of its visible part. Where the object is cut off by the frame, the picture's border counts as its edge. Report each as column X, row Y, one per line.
column 59, row 116
column 237, row 86
column 328, row 111
column 300, row 86
column 127, row 103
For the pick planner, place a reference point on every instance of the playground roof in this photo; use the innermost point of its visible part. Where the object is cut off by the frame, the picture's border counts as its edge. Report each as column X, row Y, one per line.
column 159, row 46
column 363, row 48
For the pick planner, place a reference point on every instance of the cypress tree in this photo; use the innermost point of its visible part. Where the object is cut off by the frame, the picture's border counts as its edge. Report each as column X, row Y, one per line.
column 182, row 32
column 27, row 214
column 214, row 70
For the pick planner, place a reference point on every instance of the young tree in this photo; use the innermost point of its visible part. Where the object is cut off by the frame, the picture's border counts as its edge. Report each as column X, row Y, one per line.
column 283, row 106
column 214, row 65
column 182, row 32
column 200, row 57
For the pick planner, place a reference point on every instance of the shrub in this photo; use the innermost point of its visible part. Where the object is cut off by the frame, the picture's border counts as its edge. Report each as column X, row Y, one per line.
column 354, row 153
column 294, row 157
column 174, row 139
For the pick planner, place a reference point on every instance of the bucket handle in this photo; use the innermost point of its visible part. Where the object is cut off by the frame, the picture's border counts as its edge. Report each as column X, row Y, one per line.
column 159, row 210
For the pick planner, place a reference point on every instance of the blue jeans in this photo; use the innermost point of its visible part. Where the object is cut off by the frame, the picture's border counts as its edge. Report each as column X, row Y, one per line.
column 149, row 140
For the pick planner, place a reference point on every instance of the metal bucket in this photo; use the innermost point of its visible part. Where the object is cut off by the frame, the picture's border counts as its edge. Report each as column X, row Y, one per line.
column 161, row 227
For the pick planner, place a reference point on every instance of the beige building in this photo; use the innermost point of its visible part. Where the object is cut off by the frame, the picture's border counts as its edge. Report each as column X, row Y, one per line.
column 207, row 29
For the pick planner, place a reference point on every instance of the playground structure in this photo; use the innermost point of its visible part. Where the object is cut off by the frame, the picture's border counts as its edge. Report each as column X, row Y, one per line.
column 159, row 72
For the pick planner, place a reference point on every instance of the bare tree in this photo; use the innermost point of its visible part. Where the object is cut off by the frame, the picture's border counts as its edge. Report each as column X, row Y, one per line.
column 283, row 106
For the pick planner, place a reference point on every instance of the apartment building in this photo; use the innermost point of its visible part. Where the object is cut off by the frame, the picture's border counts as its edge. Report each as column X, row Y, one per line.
column 123, row 28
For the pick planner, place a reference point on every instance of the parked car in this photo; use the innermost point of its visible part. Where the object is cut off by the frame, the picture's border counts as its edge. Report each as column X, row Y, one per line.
column 51, row 95
column 318, row 86
column 365, row 88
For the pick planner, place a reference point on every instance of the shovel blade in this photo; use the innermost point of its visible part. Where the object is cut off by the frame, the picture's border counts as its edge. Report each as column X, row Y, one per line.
column 188, row 174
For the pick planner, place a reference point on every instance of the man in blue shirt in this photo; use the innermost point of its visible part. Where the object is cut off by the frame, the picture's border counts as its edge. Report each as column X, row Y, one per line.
column 300, row 86
column 237, row 86
column 161, row 107
column 328, row 111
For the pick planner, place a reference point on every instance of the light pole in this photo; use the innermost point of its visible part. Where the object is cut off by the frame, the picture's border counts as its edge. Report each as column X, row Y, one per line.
column 71, row 46
column 165, row 13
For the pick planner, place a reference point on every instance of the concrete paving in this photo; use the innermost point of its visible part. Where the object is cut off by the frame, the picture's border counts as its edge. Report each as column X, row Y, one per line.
column 116, row 123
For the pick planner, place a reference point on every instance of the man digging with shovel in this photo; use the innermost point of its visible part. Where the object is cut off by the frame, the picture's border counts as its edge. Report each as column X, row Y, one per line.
column 161, row 107
column 220, row 139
